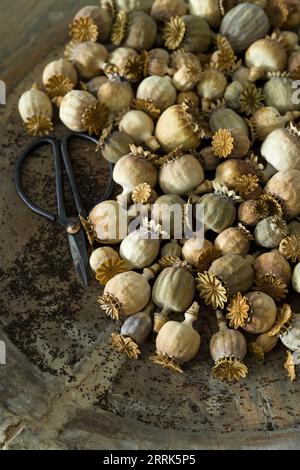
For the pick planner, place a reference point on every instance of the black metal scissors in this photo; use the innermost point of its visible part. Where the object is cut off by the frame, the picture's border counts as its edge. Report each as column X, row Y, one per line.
column 72, row 225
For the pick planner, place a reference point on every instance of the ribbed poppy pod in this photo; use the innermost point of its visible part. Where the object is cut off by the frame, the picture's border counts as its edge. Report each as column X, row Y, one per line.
column 181, row 174
column 173, row 291
column 254, row 312
column 127, row 293
column 285, row 185
column 159, row 90
column 211, row 86
column 140, row 249
column 267, row 119
column 136, row 30
column 134, row 333
column 189, row 32
column 107, row 223
column 101, row 255
column 263, row 56
column 140, row 127
column 270, row 231
column 36, row 111
column 273, row 274
column 219, row 209
column 114, row 145
column 187, row 129
column 178, row 342
column 226, row 118
column 282, row 142
column 234, row 241
column 171, row 249
column 116, row 94
column 91, row 23
column 80, row 111
column 243, row 25
column 279, row 92
column 209, row 10
column 228, row 349
column 134, row 169
column 163, row 10
column 89, row 58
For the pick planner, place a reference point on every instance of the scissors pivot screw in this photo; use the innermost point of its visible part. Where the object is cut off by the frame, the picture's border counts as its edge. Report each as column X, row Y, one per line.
column 73, row 228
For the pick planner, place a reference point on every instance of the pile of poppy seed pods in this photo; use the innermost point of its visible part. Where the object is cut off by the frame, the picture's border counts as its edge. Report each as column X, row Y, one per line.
column 195, row 104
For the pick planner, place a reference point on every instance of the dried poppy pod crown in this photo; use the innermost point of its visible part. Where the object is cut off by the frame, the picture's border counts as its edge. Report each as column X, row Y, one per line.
column 228, row 349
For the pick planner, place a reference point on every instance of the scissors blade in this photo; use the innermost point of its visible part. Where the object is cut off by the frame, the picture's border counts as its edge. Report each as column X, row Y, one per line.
column 80, row 256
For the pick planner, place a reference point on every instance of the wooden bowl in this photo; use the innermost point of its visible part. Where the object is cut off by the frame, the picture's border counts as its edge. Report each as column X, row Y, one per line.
column 63, row 386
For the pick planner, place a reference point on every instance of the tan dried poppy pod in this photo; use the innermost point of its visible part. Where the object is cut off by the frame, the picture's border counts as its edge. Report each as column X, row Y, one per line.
column 279, row 92
column 59, row 77
column 231, row 143
column 134, row 333
column 196, row 250
column 267, row 119
column 211, row 87
column 243, row 25
column 228, row 349
column 226, row 118
column 180, row 174
column 254, row 312
column 232, row 95
column 133, row 5
column 88, row 58
column 219, row 209
column 285, row 185
column 187, row 77
column 136, row 30
column 126, row 294
column 293, row 19
column 140, row 127
column 36, row 111
column 159, row 90
column 265, row 55
column 165, row 212
column 190, row 95
column 262, row 345
column 121, row 55
column 282, row 142
column 116, row 94
column 114, row 144
column 234, row 241
column 270, row 232
column 101, row 255
column 91, row 23
column 173, row 291
column 189, row 32
column 80, row 111
column 235, row 272
column 177, row 342
column 157, row 62
column 273, row 274
column 187, row 129
column 140, row 248
column 134, row 169
column 252, row 211
column 209, row 10
column 163, row 10
column 108, row 221
column 208, row 159
column 95, row 83
column 171, row 249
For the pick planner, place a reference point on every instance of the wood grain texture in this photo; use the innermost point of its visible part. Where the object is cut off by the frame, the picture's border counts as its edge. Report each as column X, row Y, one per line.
column 63, row 386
